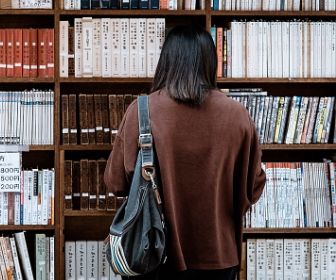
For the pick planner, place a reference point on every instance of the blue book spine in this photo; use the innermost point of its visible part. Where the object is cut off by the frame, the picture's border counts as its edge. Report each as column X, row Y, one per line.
column 154, row 4
column 125, row 4
column 144, row 4
column 114, row 4
column 134, row 4
column 213, row 34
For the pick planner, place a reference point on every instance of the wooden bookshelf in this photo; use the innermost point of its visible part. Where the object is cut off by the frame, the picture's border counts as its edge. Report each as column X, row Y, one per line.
column 67, row 221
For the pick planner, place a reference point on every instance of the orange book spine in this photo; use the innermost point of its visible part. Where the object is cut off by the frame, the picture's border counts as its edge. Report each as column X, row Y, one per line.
column 42, row 38
column 33, row 53
column 219, row 45
column 18, row 53
column 25, row 53
column 163, row 4
column 50, row 54
column 3, row 53
column 10, row 52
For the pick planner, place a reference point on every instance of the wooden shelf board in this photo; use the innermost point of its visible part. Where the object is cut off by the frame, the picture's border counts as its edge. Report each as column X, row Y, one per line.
column 41, row 148
column 31, row 12
column 298, row 146
column 88, row 213
column 288, row 230
column 27, row 80
column 26, row 227
column 133, row 12
column 105, row 80
column 104, row 147
column 274, row 13
column 275, row 80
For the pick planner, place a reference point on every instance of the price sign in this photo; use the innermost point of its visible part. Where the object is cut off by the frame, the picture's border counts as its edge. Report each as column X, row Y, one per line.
column 10, row 167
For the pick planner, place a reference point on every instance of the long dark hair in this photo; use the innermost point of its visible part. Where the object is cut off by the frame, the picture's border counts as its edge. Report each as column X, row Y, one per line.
column 187, row 65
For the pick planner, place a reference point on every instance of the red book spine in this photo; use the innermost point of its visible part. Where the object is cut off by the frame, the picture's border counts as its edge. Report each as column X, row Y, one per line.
column 219, row 45
column 50, row 53
column 2, row 53
column 18, row 53
column 10, row 52
column 33, row 53
column 42, row 52
column 25, row 53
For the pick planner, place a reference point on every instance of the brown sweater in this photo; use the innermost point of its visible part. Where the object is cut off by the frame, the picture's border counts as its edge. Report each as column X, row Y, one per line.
column 209, row 160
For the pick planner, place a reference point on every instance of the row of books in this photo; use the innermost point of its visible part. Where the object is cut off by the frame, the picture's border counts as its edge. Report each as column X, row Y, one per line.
column 92, row 118
column 297, row 194
column 27, row 117
column 34, row 204
column 27, row 53
column 111, row 47
column 26, row 4
column 87, row 260
column 274, row 49
column 84, row 186
column 273, row 5
column 134, row 4
column 300, row 259
column 288, row 120
column 15, row 261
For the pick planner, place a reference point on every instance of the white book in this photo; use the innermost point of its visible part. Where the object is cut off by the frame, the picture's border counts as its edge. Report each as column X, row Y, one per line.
column 24, row 256
column 270, row 263
column 151, row 50
column 315, row 259
column 159, row 39
column 251, row 259
column 92, row 260
column 332, row 259
column 134, row 47
column 70, row 260
column 87, row 47
column 333, row 191
column 18, row 274
column 51, row 114
column 298, row 258
column 333, row 49
column 52, row 194
column 125, row 47
column 64, row 49
column 306, row 258
column 103, row 265
column 34, row 201
column 30, row 193
column 325, row 275
column 96, row 60
column 78, row 47
column 45, row 196
column 40, row 197
column 40, row 256
column 278, row 259
column 116, row 46
column 106, row 51
column 261, row 259
column 288, row 259
column 81, row 260
column 17, row 211
column 51, row 258
column 142, row 47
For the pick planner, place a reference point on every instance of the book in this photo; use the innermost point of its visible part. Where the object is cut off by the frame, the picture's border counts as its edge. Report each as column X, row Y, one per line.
column 23, row 254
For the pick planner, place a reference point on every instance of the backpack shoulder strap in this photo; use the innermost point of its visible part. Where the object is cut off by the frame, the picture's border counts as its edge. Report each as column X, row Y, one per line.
column 145, row 135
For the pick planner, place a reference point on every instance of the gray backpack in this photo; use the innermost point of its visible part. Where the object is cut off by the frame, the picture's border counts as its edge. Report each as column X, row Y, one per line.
column 137, row 237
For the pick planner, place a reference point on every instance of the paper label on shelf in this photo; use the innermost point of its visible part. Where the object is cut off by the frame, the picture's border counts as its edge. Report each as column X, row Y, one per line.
column 10, row 168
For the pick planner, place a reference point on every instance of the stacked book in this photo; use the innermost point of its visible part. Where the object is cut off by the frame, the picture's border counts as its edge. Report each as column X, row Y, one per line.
column 27, row 117
column 92, row 118
column 87, row 260
column 34, row 204
column 27, row 53
column 284, row 258
column 300, row 194
column 26, row 4
column 272, row 5
column 288, row 120
column 15, row 260
column 111, row 47
column 276, row 49
column 84, row 187
column 134, row 4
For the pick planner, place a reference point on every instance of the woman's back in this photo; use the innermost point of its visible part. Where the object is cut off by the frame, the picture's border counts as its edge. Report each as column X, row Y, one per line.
column 205, row 154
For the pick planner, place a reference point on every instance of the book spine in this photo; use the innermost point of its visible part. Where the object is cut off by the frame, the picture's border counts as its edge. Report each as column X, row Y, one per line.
column 10, row 52
column 84, row 184
column 96, row 63
column 83, row 120
column 125, row 47
column 3, row 56
column 87, row 47
column 23, row 253
column 64, row 49
column 78, row 47
column 33, row 69
column 50, row 54
column 81, row 260
column 72, row 119
column 18, row 53
column 151, row 53
column 93, row 181
column 92, row 260
column 70, row 260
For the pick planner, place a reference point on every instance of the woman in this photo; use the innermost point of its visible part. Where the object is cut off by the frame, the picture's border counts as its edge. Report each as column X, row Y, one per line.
column 209, row 158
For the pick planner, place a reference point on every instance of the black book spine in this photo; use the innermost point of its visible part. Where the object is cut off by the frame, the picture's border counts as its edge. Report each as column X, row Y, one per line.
column 95, row 4
column 125, row 4
column 154, row 4
column 144, row 4
column 85, row 4
column 105, row 4
column 134, row 4
column 114, row 4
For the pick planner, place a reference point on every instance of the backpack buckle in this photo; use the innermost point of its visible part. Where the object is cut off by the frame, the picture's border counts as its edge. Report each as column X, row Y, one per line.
column 145, row 140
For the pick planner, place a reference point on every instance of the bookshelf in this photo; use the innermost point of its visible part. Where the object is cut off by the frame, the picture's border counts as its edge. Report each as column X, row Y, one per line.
column 79, row 224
